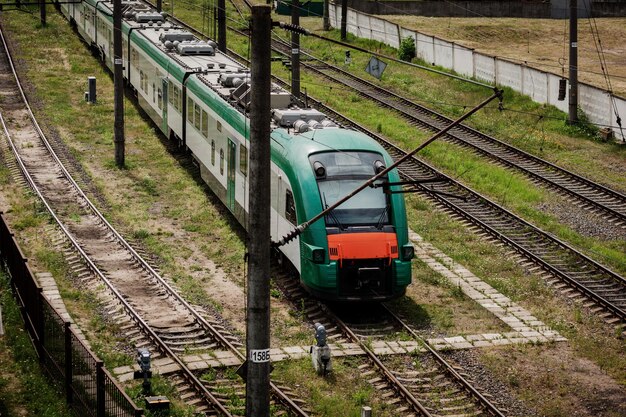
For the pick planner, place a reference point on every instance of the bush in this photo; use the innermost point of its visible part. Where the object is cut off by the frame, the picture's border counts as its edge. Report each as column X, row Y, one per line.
column 407, row 49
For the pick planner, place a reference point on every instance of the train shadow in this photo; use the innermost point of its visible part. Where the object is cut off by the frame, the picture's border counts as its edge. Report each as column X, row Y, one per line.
column 375, row 313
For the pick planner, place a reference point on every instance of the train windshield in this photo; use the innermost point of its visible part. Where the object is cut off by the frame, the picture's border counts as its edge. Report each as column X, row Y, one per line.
column 340, row 173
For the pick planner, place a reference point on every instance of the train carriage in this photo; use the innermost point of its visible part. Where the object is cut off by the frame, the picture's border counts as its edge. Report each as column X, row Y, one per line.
column 199, row 97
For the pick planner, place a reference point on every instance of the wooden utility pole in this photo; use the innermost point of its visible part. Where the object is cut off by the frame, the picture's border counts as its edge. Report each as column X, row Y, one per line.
column 258, row 299
column 295, row 49
column 221, row 25
column 573, row 62
column 327, row 15
column 118, row 84
column 344, row 19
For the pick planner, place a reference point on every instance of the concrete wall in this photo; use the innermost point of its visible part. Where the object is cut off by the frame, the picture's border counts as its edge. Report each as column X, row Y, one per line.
column 541, row 86
column 555, row 9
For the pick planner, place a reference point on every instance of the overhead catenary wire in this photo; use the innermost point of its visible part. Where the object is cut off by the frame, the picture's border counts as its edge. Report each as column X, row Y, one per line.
column 347, row 89
column 304, row 31
column 451, row 45
column 369, row 183
column 605, row 70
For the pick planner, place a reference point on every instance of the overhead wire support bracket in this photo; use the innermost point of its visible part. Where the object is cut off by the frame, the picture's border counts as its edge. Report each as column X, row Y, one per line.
column 369, row 183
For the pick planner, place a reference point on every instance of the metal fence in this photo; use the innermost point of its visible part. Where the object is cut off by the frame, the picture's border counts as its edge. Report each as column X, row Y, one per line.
column 89, row 388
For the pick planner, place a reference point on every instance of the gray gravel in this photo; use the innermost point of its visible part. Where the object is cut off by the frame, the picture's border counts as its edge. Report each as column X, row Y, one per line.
column 487, row 384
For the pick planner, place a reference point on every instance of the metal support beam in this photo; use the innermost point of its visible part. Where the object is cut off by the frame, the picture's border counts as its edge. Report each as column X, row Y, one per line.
column 221, row 25
column 326, row 15
column 42, row 13
column 344, row 19
column 118, row 85
column 573, row 62
column 295, row 50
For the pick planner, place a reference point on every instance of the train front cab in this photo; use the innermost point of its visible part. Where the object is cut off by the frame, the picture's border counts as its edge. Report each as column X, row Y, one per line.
column 360, row 250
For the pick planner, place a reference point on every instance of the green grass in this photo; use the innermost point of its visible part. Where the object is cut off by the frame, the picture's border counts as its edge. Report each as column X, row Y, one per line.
column 154, row 188
column 160, row 386
column 23, row 388
column 533, row 127
column 341, row 393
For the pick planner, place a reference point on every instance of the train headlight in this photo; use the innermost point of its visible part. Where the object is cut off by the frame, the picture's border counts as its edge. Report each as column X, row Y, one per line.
column 315, row 254
column 318, row 256
column 408, row 252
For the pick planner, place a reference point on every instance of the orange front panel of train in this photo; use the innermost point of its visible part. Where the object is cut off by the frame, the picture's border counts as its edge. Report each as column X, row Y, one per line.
column 362, row 246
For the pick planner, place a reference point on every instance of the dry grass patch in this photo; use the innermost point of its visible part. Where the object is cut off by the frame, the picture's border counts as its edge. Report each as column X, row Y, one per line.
column 542, row 43
column 556, row 381
column 437, row 308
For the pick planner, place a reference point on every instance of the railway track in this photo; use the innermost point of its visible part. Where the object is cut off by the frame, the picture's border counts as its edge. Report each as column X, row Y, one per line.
column 171, row 326
column 596, row 282
column 432, row 388
column 603, row 289
column 591, row 195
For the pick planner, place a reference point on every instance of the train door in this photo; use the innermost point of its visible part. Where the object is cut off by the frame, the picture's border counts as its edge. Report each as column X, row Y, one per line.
column 230, row 175
column 164, row 100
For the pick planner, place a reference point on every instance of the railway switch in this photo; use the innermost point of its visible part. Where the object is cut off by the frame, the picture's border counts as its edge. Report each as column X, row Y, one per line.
column 320, row 353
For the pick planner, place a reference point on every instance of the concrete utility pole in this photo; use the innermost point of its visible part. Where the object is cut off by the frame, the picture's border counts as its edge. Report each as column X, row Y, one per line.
column 118, row 86
column 573, row 62
column 221, row 25
column 295, row 49
column 159, row 6
column 258, row 300
column 344, row 19
column 326, row 15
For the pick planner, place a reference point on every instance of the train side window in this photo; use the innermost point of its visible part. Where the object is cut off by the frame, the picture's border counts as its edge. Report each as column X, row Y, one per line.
column 177, row 98
column 189, row 110
column 219, row 126
column 243, row 159
column 212, row 152
column 180, row 100
column 153, row 92
column 205, row 124
column 221, row 161
column 141, row 79
column 196, row 113
column 160, row 98
column 290, row 208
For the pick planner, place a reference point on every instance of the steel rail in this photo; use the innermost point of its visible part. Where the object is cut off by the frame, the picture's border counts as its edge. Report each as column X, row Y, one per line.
column 488, row 141
column 277, row 391
column 616, row 310
column 468, row 387
column 403, row 391
column 418, row 164
column 188, row 374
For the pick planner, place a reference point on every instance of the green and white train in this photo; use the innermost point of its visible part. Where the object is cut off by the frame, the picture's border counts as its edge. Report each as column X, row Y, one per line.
column 199, row 97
